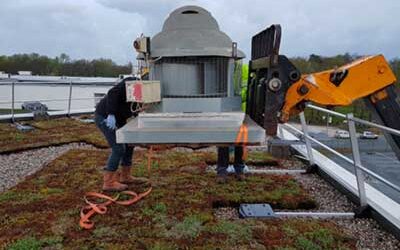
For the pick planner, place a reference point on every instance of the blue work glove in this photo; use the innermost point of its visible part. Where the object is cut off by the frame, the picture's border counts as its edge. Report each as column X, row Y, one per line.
column 111, row 123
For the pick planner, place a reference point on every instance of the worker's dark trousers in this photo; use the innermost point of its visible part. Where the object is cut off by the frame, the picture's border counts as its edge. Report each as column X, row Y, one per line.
column 223, row 160
column 120, row 153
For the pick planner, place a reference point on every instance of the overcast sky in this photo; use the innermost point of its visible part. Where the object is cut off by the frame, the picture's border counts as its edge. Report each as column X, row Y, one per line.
column 106, row 28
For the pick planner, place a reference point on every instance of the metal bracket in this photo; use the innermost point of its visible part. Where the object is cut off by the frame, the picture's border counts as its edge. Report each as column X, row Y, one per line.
column 362, row 212
column 312, row 169
column 234, row 50
column 262, row 210
column 23, row 128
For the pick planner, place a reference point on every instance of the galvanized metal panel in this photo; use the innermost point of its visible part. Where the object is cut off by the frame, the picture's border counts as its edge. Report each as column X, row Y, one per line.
column 190, row 120
column 263, row 210
column 210, row 104
column 214, row 134
column 191, row 105
column 193, row 77
column 181, row 79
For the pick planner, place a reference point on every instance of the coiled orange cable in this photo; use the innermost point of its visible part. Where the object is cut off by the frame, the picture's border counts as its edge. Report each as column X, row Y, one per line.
column 93, row 208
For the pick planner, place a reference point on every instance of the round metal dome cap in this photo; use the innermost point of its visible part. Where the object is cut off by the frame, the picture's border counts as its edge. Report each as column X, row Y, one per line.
column 191, row 31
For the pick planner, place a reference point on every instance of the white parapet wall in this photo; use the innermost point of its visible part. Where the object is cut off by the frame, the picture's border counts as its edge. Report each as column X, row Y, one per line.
column 30, row 116
column 383, row 204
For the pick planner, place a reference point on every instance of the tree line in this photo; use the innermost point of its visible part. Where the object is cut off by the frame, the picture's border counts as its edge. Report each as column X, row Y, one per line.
column 62, row 66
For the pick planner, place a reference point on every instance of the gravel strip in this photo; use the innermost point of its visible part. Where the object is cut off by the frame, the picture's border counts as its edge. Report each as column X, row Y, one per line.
column 226, row 213
column 292, row 163
column 258, row 148
column 327, row 197
column 15, row 167
column 368, row 233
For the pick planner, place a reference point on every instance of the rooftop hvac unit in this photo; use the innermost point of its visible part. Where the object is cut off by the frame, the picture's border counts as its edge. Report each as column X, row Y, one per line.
column 194, row 87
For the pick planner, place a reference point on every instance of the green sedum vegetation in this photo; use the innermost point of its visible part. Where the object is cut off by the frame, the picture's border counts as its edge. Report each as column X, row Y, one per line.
column 49, row 133
column 42, row 212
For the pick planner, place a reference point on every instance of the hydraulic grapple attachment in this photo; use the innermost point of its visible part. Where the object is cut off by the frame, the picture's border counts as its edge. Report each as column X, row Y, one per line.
column 270, row 76
column 277, row 90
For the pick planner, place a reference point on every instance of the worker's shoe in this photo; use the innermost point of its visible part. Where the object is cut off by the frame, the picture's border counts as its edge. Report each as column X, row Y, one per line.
column 111, row 183
column 126, row 177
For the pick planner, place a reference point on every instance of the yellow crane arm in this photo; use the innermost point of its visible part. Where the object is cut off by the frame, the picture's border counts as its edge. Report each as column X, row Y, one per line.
column 367, row 76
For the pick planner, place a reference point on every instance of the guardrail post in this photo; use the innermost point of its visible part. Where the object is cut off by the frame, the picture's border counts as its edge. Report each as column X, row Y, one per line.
column 12, row 101
column 280, row 130
column 307, row 140
column 357, row 162
column 69, row 98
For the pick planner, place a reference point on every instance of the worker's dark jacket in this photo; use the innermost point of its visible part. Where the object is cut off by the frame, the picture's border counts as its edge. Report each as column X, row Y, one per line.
column 115, row 103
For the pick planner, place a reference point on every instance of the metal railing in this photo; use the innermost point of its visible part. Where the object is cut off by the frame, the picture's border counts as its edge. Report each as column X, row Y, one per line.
column 359, row 169
column 69, row 99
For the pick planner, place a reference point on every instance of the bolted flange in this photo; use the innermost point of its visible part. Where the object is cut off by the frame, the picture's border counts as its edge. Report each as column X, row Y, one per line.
column 275, row 84
column 303, row 90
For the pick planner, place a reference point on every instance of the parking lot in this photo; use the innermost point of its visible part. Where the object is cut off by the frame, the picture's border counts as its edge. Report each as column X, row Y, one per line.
column 376, row 155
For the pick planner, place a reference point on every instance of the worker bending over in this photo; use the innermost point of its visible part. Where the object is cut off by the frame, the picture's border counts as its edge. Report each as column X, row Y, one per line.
column 111, row 113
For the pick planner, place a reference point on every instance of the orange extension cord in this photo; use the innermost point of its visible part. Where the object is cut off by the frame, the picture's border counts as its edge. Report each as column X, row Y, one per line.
column 93, row 208
column 242, row 139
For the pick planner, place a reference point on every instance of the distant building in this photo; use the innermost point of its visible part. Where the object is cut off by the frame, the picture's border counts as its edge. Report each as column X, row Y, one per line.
column 4, row 75
column 25, row 73
column 122, row 76
column 98, row 97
